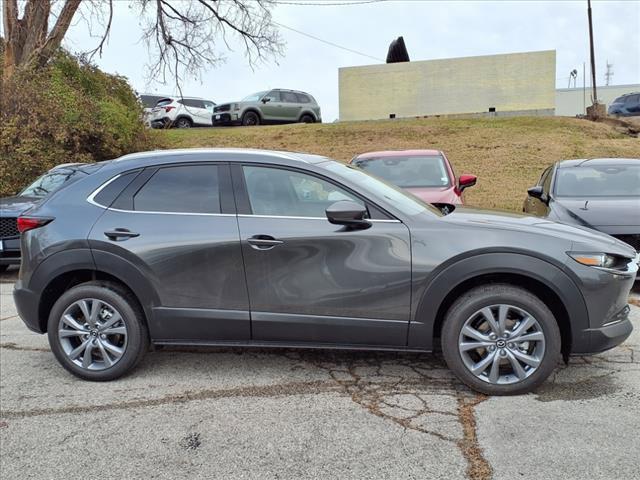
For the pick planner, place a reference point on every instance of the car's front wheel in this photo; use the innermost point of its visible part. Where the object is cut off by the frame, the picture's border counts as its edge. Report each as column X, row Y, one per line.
column 97, row 332
column 501, row 340
column 250, row 119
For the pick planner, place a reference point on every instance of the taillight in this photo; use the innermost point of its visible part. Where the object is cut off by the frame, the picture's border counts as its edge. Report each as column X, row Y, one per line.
column 29, row 223
column 168, row 109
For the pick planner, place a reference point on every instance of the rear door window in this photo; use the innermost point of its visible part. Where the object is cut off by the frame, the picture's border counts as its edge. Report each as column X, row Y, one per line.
column 181, row 189
column 289, row 97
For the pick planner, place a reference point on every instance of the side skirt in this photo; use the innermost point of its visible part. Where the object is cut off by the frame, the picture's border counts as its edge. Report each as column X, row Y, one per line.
column 320, row 346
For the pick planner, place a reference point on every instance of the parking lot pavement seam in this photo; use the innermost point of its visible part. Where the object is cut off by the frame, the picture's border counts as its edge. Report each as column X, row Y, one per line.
column 284, row 389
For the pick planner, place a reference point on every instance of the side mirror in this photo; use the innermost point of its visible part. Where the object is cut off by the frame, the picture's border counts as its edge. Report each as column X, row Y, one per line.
column 466, row 181
column 346, row 212
column 265, row 100
column 537, row 192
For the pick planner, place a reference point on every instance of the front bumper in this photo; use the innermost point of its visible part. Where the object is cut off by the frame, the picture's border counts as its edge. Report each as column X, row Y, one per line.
column 27, row 305
column 226, row 119
column 606, row 297
column 611, row 334
column 10, row 251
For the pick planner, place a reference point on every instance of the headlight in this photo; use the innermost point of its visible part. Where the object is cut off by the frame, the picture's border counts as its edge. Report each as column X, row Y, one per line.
column 601, row 260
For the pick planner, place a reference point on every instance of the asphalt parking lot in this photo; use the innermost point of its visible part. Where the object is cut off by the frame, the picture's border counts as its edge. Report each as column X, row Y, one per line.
column 227, row 413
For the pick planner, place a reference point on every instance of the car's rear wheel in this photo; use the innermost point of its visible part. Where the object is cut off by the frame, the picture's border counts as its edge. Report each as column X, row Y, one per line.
column 183, row 122
column 307, row 119
column 250, row 119
column 97, row 332
column 501, row 340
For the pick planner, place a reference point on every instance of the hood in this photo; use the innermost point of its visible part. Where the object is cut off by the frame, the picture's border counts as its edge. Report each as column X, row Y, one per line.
column 599, row 212
column 14, row 206
column 436, row 194
column 539, row 226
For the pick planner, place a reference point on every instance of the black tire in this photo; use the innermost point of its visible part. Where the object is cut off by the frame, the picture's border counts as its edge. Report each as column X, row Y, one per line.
column 250, row 119
column 496, row 294
column 306, row 118
column 183, row 122
column 137, row 335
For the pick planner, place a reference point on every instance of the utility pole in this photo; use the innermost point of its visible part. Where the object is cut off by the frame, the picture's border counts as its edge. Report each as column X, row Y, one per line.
column 595, row 111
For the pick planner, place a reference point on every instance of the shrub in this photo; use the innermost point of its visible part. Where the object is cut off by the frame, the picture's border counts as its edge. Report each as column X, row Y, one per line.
column 70, row 111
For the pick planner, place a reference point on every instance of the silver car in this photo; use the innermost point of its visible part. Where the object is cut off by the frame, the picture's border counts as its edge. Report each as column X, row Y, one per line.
column 269, row 107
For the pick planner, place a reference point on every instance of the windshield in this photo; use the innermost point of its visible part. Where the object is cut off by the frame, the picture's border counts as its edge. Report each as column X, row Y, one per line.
column 403, row 201
column 408, row 172
column 54, row 179
column 598, row 181
column 254, row 97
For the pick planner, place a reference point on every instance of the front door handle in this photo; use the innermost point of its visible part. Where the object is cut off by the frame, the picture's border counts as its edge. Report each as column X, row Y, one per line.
column 263, row 242
column 120, row 234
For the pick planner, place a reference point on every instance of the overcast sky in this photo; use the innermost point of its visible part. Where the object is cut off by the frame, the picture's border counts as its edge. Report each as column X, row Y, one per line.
column 431, row 30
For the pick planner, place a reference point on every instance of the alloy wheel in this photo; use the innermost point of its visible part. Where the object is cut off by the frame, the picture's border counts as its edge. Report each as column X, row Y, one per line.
column 501, row 344
column 92, row 334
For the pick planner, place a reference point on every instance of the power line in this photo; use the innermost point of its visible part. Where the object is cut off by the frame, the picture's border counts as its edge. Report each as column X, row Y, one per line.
column 328, row 42
column 328, row 4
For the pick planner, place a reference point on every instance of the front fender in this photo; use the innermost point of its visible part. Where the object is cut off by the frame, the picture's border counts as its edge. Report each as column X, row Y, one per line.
column 443, row 282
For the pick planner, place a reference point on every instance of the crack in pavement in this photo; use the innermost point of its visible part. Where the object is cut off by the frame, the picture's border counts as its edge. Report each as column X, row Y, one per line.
column 15, row 346
column 403, row 396
column 378, row 399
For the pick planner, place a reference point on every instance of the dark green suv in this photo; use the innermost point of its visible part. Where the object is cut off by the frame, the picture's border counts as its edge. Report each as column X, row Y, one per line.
column 269, row 107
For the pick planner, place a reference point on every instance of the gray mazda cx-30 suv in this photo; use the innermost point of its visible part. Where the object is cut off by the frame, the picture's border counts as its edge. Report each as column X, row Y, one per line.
column 257, row 248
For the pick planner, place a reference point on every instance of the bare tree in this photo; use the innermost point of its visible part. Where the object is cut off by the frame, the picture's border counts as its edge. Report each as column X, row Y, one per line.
column 182, row 36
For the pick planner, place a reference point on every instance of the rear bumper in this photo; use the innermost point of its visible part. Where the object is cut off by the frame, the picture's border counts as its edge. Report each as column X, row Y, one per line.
column 27, row 305
column 160, row 122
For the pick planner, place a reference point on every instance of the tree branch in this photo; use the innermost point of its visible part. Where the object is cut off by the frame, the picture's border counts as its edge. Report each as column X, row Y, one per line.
column 43, row 54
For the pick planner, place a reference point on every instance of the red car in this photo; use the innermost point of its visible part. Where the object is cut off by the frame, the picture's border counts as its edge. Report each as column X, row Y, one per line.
column 425, row 173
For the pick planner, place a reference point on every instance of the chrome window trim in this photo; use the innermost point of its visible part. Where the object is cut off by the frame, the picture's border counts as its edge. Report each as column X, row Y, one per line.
column 91, row 200
column 92, row 196
column 173, row 213
column 292, row 217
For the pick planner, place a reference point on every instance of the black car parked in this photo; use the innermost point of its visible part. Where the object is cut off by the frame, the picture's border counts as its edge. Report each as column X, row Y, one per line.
column 254, row 248
column 603, row 194
column 12, row 207
column 626, row 106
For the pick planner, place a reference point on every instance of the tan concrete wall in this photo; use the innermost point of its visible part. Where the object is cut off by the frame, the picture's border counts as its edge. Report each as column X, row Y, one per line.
column 571, row 101
column 510, row 82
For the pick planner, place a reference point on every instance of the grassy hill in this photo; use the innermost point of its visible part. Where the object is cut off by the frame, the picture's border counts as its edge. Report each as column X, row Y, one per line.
column 507, row 154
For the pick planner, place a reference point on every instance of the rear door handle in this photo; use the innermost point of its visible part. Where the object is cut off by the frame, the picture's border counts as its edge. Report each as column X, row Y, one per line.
column 263, row 242
column 120, row 234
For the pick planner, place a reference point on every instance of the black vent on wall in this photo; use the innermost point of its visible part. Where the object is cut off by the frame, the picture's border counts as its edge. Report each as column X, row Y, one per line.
column 397, row 51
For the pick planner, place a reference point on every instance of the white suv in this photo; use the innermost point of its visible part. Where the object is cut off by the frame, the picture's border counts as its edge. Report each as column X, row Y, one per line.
column 183, row 112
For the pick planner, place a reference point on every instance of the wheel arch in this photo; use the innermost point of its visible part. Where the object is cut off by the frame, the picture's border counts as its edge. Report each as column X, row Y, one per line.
column 252, row 109
column 183, row 115
column 544, row 279
column 308, row 112
column 69, row 268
